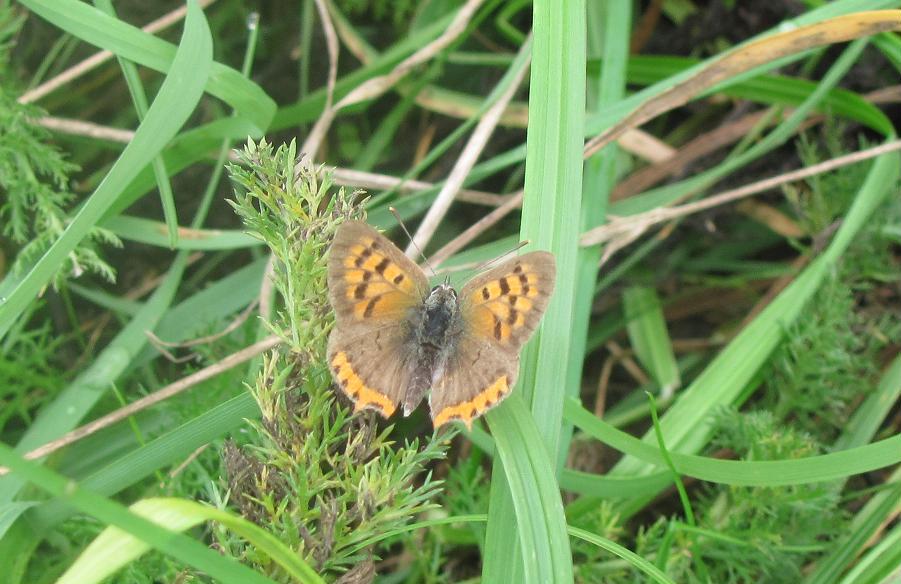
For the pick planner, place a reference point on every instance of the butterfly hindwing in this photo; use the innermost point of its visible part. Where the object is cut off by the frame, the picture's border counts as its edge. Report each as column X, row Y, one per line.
column 370, row 281
column 500, row 310
column 370, row 368
column 478, row 376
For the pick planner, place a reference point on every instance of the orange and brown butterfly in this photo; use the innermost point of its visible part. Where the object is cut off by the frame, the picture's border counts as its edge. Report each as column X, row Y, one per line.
column 395, row 338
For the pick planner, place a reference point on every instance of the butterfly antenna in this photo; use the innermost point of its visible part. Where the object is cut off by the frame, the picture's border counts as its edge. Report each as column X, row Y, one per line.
column 412, row 241
column 484, row 265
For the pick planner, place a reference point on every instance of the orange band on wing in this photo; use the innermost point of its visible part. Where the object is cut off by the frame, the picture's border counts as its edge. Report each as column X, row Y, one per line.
column 362, row 395
column 469, row 410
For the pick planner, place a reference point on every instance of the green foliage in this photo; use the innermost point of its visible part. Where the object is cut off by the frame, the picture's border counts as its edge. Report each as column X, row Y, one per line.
column 29, row 374
column 34, row 177
column 319, row 478
column 774, row 524
column 329, row 483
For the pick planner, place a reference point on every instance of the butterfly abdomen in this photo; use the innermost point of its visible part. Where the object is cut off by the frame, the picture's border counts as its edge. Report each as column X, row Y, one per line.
column 434, row 333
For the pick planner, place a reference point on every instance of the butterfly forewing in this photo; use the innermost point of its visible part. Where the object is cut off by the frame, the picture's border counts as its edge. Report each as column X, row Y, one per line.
column 373, row 287
column 505, row 304
column 370, row 281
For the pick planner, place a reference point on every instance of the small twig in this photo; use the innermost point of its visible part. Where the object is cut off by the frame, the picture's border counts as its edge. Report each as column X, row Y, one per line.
column 372, row 181
column 376, row 86
column 163, row 394
column 600, row 402
column 628, row 363
column 241, row 318
column 477, row 228
column 98, row 59
column 634, row 226
column 89, row 129
column 191, row 457
column 471, row 152
column 317, row 134
column 348, row 177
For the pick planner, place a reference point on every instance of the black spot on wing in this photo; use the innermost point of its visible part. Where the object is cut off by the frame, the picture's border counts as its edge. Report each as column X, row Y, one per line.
column 360, row 291
column 505, row 286
column 382, row 266
column 370, row 306
column 486, row 294
column 364, row 255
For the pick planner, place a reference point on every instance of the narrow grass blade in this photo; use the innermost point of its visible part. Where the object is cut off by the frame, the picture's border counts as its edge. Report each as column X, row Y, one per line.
column 612, row 22
column 540, row 522
column 812, row 469
column 646, row 326
column 879, row 564
column 139, row 98
column 114, row 548
column 639, row 562
column 155, row 233
column 880, row 510
column 553, row 187
column 867, row 419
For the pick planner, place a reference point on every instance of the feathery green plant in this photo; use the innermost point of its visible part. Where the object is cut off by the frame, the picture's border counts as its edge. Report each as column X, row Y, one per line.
column 319, row 478
column 34, row 180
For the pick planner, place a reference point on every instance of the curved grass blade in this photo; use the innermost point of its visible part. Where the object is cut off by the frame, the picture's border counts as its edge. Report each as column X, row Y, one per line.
column 533, row 494
column 181, row 547
column 114, row 548
column 770, row 473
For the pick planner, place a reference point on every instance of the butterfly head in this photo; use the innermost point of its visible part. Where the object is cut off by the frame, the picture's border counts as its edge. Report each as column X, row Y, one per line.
column 442, row 297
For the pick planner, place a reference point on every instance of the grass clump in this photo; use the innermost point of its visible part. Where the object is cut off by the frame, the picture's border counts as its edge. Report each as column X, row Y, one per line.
column 323, row 481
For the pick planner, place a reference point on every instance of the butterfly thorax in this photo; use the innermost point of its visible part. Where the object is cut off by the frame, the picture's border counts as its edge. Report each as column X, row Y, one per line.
column 434, row 333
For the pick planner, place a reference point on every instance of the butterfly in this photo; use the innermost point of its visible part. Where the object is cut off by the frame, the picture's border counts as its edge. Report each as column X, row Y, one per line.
column 395, row 338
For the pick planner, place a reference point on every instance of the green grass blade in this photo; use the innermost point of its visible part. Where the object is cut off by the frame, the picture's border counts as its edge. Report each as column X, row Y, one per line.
column 841, row 555
column 139, row 98
column 175, row 101
column 650, row 340
column 553, row 187
column 878, row 564
column 813, row 469
column 155, row 233
column 867, row 419
column 535, row 497
column 179, row 546
column 113, row 548
column 613, row 25
column 639, row 562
